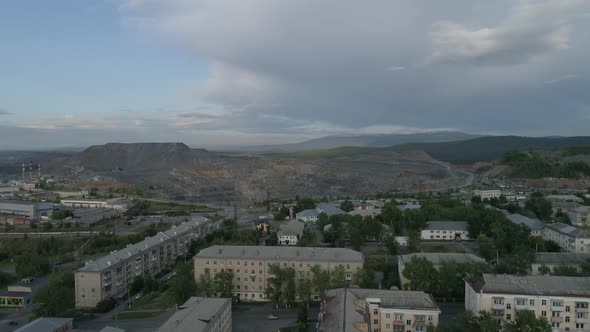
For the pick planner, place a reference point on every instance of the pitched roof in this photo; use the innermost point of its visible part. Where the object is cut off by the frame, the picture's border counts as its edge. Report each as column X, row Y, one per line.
column 572, row 198
column 530, row 285
column 437, row 258
column 307, row 213
column 447, row 225
column 329, row 209
column 195, row 314
column 568, row 230
column 280, row 253
column 519, row 219
column 44, row 324
column 560, row 258
column 291, row 228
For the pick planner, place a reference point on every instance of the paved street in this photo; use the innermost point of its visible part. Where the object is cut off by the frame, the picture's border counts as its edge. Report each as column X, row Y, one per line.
column 255, row 316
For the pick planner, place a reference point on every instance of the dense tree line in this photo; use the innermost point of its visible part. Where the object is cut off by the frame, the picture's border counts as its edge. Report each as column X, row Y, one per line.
column 532, row 165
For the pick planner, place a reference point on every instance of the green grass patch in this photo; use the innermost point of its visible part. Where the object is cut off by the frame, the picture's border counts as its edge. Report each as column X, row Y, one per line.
column 138, row 315
column 154, row 300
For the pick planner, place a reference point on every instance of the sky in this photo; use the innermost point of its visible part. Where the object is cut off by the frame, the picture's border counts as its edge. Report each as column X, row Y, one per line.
column 221, row 73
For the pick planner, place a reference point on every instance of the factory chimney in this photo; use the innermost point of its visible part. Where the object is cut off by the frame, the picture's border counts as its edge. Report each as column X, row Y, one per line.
column 24, row 172
column 39, row 171
column 31, row 170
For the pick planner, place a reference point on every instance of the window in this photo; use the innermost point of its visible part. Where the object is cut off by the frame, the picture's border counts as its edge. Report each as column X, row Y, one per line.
column 375, row 311
column 579, row 325
column 430, row 318
column 544, row 302
column 508, row 306
column 388, row 326
column 567, row 319
column 408, row 322
column 207, row 262
column 508, row 317
column 567, row 308
column 387, row 316
column 543, row 313
column 214, row 262
column 532, row 302
column 375, row 321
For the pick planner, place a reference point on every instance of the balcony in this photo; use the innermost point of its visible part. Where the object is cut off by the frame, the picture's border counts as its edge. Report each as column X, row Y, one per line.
column 498, row 306
column 556, row 319
column 558, row 307
column 582, row 309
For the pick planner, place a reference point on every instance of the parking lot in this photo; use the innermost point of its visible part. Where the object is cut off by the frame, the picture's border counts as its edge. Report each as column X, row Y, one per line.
column 250, row 317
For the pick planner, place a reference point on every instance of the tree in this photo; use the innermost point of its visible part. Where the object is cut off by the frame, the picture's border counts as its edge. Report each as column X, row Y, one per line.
column 338, row 277
column 527, row 322
column 223, row 282
column 31, row 265
column 346, row 206
column 421, row 274
column 205, row 286
column 304, row 204
column 137, row 285
column 228, row 226
column 184, row 285
column 320, row 279
column 302, row 318
column 289, row 285
column 304, row 288
column 539, row 206
column 487, row 247
column 57, row 298
column 274, row 289
column 365, row 278
column 62, row 214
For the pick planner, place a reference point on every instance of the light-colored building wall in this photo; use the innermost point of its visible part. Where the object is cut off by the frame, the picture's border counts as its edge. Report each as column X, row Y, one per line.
column 569, row 238
column 580, row 216
column 111, row 276
column 252, row 270
column 487, row 194
column 288, row 240
column 444, row 235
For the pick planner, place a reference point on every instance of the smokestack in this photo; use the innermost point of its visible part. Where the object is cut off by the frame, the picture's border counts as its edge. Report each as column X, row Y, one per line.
column 31, row 170
column 24, row 172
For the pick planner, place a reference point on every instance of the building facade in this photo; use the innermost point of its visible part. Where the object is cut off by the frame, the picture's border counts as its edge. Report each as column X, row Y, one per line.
column 445, row 231
column 251, row 264
column 111, row 276
column 201, row 314
column 580, row 216
column 563, row 301
column 569, row 238
column 487, row 194
column 375, row 310
column 27, row 209
column 534, row 225
column 290, row 232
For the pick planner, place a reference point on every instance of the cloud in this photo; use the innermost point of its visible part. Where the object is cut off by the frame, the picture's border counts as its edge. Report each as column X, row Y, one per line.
column 395, row 68
column 5, row 112
column 533, row 28
column 561, row 79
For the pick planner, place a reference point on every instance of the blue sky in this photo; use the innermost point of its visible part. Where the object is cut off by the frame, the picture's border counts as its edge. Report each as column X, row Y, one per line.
column 221, row 73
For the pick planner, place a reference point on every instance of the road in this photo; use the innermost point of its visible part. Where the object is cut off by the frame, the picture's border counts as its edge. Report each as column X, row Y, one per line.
column 48, row 234
column 255, row 316
column 129, row 325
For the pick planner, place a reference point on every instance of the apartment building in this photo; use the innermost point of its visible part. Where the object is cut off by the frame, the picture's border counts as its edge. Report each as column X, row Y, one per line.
column 375, row 310
column 290, row 232
column 437, row 259
column 580, row 216
column 487, row 194
column 563, row 301
column 569, row 238
column 445, row 230
column 201, row 314
column 535, row 225
column 251, row 264
column 110, row 276
column 552, row 260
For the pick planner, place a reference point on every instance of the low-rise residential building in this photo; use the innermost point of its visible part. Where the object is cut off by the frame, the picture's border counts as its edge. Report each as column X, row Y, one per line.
column 309, row 216
column 329, row 209
column 290, row 232
column 251, row 265
column 110, row 276
column 437, row 259
column 563, row 301
column 445, row 230
column 580, row 216
column 117, row 204
column 551, row 260
column 201, row 314
column 26, row 208
column 569, row 238
column 563, row 203
column 534, row 225
column 48, row 324
column 375, row 310
column 487, row 194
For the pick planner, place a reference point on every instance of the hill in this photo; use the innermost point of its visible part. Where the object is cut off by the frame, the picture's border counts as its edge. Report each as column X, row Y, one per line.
column 383, row 140
column 492, row 147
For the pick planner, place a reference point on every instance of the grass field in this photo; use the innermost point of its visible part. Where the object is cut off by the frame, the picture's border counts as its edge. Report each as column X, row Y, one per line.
column 154, row 300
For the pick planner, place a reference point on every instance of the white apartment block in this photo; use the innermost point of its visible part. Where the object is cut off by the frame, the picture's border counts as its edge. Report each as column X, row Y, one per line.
column 251, row 265
column 487, row 194
column 111, row 276
column 563, row 301
column 201, row 314
column 445, row 230
column 580, row 216
column 374, row 310
column 569, row 238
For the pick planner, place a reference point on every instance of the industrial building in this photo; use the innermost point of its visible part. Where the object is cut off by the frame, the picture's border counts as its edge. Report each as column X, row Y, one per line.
column 201, row 314
column 32, row 210
column 251, row 265
column 117, row 204
column 563, row 301
column 354, row 309
column 110, row 276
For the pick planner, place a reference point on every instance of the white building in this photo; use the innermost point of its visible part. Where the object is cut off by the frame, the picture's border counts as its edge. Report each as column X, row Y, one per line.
column 487, row 194
column 569, row 238
column 551, row 260
column 445, row 230
column 580, row 216
column 116, row 204
column 308, row 216
column 375, row 310
column 290, row 232
column 563, row 301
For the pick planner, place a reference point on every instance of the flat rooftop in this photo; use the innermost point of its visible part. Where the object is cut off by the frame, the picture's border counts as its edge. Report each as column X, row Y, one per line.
column 195, row 314
column 560, row 258
column 446, row 225
column 568, row 230
column 530, row 285
column 282, row 253
column 44, row 324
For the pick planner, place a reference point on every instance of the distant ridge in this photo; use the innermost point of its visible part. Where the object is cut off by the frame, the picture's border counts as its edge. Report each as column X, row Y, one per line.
column 371, row 141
